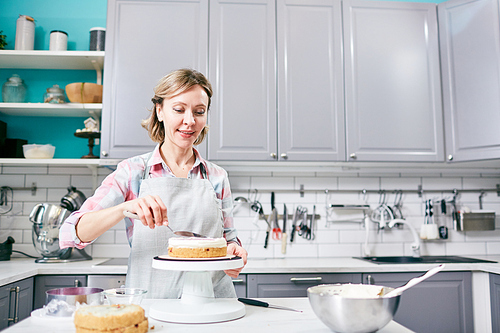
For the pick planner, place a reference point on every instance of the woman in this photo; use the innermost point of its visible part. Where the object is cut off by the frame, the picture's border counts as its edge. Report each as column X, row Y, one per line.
column 172, row 185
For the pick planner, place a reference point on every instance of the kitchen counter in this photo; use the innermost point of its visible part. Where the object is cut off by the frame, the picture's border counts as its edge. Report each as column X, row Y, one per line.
column 256, row 319
column 20, row 268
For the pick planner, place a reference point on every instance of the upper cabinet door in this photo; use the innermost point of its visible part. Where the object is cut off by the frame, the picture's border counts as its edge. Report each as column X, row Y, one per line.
column 470, row 55
column 144, row 41
column 310, row 80
column 392, row 82
column 243, row 74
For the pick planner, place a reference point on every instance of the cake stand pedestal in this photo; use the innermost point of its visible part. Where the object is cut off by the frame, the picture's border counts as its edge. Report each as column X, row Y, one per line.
column 197, row 304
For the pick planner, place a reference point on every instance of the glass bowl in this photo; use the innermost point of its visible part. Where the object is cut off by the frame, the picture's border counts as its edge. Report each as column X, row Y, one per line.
column 124, row 295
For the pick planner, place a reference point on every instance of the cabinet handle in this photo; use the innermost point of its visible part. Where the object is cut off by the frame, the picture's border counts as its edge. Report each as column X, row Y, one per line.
column 273, row 155
column 306, row 279
column 353, row 156
column 104, row 153
column 238, row 281
column 284, row 156
column 16, row 305
column 450, row 157
column 370, row 279
column 77, row 283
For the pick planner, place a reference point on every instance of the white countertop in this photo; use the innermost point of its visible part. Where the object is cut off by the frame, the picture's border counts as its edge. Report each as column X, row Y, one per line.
column 256, row 319
column 20, row 268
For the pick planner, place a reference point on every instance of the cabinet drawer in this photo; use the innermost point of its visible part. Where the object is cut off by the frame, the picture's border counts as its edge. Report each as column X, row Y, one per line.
column 292, row 285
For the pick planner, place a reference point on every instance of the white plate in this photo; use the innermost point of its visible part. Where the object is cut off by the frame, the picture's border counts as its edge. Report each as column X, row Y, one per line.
column 167, row 257
column 40, row 316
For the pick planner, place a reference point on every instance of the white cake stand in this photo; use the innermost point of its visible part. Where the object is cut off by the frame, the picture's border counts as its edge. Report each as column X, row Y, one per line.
column 197, row 304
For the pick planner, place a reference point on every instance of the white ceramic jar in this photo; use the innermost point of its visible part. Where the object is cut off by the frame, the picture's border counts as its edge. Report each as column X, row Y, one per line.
column 58, row 40
column 25, row 33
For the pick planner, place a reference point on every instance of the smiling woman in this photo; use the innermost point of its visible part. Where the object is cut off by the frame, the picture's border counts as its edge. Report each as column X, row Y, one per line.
column 172, row 185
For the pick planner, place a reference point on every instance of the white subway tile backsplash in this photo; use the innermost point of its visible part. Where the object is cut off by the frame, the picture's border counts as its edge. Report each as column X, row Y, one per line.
column 466, row 248
column 110, row 250
column 332, row 238
column 52, row 181
column 438, row 183
column 359, row 183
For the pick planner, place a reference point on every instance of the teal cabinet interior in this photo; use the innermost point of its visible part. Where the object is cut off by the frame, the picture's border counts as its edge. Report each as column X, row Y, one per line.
column 76, row 19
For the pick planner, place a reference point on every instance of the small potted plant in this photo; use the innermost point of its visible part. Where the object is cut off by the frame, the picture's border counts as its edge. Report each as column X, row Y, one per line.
column 3, row 43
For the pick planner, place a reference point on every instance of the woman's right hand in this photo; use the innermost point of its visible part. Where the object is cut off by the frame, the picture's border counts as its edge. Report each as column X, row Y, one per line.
column 150, row 209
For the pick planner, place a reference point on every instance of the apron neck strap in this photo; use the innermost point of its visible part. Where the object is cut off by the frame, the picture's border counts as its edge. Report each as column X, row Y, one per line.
column 145, row 174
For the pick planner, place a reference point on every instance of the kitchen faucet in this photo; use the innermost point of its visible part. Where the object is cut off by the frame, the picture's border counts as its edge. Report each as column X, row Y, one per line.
column 415, row 246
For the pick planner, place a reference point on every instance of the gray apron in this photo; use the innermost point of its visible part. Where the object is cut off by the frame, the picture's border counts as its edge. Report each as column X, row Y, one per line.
column 191, row 205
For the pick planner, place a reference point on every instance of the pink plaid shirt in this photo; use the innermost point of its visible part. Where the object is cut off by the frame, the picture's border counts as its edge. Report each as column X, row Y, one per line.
column 123, row 185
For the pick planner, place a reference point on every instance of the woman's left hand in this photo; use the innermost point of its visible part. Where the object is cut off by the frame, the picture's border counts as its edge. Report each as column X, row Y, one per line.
column 237, row 250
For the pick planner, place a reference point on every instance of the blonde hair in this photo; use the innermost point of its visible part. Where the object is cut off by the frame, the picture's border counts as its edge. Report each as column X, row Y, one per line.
column 169, row 86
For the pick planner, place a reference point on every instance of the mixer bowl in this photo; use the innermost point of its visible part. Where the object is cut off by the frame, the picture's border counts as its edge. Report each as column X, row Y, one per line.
column 349, row 314
column 47, row 219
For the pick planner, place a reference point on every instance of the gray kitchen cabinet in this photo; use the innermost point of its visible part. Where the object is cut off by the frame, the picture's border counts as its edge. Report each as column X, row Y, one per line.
column 442, row 303
column 301, row 120
column 392, row 82
column 144, row 41
column 47, row 282
column 292, row 285
column 242, row 71
column 16, row 302
column 469, row 34
column 495, row 302
column 310, row 80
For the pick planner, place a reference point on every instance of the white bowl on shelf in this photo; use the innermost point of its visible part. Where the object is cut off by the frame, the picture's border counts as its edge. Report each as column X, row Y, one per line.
column 38, row 151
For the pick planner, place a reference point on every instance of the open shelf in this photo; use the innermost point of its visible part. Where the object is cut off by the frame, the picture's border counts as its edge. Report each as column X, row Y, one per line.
column 51, row 110
column 85, row 60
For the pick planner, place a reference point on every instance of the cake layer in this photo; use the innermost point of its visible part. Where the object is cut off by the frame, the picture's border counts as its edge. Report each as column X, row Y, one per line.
column 209, row 252
column 142, row 327
column 109, row 317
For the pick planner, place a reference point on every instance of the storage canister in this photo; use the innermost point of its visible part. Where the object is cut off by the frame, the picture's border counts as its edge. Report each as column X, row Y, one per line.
column 58, row 40
column 25, row 33
column 97, row 38
column 54, row 95
column 14, row 90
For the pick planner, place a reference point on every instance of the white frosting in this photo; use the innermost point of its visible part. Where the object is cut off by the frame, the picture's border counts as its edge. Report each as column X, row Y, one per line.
column 195, row 242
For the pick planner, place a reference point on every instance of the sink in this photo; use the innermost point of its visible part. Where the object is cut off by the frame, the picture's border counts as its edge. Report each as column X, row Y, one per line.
column 423, row 260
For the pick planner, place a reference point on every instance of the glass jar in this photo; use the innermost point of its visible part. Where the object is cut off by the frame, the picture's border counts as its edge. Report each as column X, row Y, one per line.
column 54, row 95
column 14, row 90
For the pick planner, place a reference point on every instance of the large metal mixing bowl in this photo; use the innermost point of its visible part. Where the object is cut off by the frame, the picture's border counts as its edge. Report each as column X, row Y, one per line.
column 62, row 302
column 351, row 315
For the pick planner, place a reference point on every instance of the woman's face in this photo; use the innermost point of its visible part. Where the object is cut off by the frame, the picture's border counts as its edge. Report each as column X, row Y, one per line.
column 184, row 116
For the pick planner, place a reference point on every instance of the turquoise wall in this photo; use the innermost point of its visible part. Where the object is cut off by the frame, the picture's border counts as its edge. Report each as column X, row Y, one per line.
column 76, row 17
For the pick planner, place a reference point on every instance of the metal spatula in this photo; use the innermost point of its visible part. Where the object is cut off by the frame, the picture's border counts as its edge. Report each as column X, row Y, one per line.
column 178, row 233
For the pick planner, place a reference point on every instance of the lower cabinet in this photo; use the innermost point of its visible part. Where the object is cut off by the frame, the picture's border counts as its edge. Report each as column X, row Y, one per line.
column 240, row 285
column 47, row 282
column 442, row 303
column 292, row 285
column 495, row 302
column 16, row 302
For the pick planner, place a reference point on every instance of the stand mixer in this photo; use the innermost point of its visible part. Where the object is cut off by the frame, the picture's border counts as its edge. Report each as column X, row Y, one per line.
column 47, row 219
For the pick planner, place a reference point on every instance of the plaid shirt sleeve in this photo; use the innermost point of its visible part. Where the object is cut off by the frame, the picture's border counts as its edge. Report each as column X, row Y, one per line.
column 123, row 185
